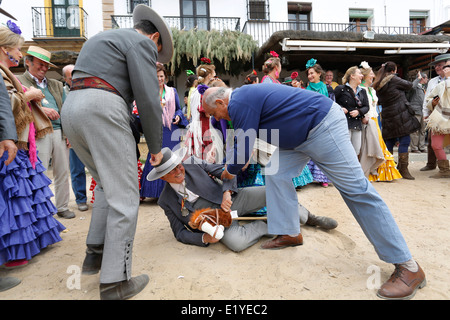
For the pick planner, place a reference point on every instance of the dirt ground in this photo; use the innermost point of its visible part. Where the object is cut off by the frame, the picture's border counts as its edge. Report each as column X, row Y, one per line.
column 339, row 264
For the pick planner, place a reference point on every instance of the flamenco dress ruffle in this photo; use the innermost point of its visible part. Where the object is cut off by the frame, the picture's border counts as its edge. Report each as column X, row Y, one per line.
column 153, row 189
column 388, row 170
column 252, row 177
column 304, row 178
column 317, row 174
column 27, row 224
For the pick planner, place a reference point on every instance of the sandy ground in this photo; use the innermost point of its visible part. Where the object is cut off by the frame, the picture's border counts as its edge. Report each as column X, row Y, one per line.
column 338, row 264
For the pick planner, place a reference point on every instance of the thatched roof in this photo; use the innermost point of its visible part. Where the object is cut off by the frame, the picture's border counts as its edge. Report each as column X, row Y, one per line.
column 343, row 60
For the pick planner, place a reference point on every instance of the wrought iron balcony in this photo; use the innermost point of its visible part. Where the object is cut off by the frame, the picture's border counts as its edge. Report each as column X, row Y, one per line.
column 262, row 30
column 59, row 22
column 212, row 23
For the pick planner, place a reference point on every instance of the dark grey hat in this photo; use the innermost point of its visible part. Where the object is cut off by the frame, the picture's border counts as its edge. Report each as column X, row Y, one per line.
column 6, row 14
column 440, row 58
column 143, row 12
column 169, row 161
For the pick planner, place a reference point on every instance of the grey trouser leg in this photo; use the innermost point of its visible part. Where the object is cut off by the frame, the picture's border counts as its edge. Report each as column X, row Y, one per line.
column 97, row 124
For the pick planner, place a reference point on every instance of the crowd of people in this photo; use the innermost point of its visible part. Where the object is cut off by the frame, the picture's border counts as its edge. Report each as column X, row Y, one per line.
column 201, row 154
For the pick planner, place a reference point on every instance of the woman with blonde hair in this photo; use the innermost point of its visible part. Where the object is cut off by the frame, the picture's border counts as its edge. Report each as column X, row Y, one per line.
column 355, row 104
column 376, row 160
column 200, row 140
column 271, row 69
column 27, row 224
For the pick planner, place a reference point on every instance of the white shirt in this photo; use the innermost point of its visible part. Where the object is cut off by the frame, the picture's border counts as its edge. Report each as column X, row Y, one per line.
column 42, row 84
column 181, row 189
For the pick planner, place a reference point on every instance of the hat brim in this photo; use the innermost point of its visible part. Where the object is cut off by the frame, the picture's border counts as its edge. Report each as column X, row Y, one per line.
column 7, row 14
column 178, row 156
column 438, row 59
column 31, row 54
column 143, row 12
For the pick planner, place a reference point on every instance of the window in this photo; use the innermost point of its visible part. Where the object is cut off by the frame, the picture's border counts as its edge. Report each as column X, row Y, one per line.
column 417, row 21
column 258, row 9
column 131, row 4
column 66, row 17
column 194, row 13
column 360, row 20
column 299, row 15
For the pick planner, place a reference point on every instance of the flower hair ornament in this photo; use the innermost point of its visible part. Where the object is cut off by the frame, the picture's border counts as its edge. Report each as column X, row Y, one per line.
column 190, row 73
column 202, row 88
column 13, row 27
column 311, row 63
column 274, row 54
column 364, row 65
column 205, row 60
column 294, row 75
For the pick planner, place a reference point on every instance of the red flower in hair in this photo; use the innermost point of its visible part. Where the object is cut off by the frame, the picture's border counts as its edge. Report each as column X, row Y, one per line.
column 205, row 60
column 254, row 72
column 294, row 75
column 274, row 54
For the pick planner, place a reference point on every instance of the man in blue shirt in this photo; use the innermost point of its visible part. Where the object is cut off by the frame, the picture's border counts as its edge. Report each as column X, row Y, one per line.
column 305, row 125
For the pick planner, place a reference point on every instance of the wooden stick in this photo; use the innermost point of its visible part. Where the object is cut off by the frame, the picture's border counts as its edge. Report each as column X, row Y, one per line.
column 250, row 218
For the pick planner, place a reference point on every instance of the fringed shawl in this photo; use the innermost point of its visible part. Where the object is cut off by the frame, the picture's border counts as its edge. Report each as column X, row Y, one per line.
column 439, row 119
column 29, row 118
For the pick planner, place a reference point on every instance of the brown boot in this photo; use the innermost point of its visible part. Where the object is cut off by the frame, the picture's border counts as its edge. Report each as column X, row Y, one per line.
column 403, row 160
column 431, row 161
column 444, row 171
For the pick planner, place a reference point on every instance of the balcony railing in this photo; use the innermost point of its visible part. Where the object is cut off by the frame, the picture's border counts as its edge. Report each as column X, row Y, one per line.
column 213, row 23
column 262, row 30
column 59, row 21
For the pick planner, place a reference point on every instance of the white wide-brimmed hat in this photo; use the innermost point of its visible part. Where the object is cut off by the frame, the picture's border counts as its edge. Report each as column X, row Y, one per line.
column 143, row 12
column 169, row 161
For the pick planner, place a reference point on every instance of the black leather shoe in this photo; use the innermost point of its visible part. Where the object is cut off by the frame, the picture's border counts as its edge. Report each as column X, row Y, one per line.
column 124, row 289
column 93, row 261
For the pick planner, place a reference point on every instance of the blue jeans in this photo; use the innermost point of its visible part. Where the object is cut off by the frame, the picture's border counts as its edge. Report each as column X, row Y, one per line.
column 329, row 146
column 78, row 176
column 403, row 145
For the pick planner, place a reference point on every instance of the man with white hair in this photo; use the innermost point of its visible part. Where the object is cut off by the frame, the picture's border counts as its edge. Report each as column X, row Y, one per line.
column 305, row 125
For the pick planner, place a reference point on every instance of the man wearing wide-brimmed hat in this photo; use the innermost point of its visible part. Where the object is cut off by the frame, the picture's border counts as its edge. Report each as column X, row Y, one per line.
column 439, row 61
column 54, row 145
column 189, row 187
column 115, row 68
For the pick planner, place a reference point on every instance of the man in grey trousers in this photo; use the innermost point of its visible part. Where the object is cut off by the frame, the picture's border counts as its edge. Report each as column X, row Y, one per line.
column 115, row 68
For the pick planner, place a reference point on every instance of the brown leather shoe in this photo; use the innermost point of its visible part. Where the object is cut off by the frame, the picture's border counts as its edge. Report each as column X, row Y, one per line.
column 403, row 284
column 280, row 242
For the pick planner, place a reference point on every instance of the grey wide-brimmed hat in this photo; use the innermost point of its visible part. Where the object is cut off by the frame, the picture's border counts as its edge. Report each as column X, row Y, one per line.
column 143, row 12
column 440, row 58
column 169, row 161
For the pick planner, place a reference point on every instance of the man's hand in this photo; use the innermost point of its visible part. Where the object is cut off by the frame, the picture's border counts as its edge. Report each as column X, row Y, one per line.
column 52, row 114
column 226, row 175
column 207, row 238
column 156, row 159
column 226, row 201
column 10, row 146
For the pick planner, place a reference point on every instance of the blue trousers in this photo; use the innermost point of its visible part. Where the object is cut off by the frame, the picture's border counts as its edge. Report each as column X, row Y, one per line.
column 329, row 146
column 78, row 176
